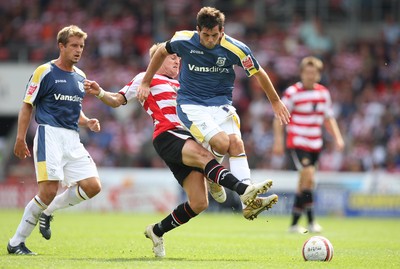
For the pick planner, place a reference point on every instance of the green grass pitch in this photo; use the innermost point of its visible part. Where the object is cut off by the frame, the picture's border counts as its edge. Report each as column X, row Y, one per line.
column 212, row 240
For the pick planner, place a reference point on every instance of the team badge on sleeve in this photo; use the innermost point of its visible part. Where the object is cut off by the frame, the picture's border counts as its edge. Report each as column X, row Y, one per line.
column 247, row 63
column 32, row 88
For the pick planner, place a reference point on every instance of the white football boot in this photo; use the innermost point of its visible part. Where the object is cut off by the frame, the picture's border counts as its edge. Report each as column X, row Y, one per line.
column 314, row 228
column 297, row 229
column 217, row 191
column 158, row 242
column 253, row 190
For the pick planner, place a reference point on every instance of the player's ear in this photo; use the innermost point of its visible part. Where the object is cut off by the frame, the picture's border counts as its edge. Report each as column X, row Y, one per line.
column 61, row 46
column 198, row 29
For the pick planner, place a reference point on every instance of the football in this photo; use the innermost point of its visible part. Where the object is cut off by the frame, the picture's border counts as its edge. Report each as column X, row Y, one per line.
column 317, row 248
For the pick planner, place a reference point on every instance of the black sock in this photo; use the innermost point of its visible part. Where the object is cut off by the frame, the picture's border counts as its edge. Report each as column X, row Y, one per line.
column 219, row 174
column 309, row 205
column 181, row 214
column 297, row 208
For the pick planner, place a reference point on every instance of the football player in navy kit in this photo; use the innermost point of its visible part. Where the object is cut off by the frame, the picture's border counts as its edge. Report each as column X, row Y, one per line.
column 55, row 90
column 208, row 57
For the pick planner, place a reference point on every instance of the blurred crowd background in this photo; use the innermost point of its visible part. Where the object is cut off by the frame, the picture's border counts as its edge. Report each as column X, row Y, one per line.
column 358, row 41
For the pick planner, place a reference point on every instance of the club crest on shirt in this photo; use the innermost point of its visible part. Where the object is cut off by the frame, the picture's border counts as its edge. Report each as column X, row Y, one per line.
column 173, row 86
column 220, row 61
column 247, row 62
column 80, row 85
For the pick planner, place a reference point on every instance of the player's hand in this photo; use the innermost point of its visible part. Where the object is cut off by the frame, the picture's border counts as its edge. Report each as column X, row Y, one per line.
column 142, row 93
column 281, row 112
column 340, row 144
column 21, row 149
column 94, row 125
column 91, row 87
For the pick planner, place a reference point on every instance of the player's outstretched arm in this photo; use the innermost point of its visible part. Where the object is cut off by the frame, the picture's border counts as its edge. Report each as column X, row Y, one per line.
column 111, row 99
column 156, row 62
column 281, row 112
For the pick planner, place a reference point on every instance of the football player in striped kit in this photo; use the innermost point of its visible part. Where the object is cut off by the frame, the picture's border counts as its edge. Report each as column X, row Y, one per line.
column 55, row 91
column 311, row 107
column 207, row 81
column 188, row 160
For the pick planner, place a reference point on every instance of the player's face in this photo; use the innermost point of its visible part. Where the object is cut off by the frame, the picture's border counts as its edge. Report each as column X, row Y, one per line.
column 309, row 76
column 72, row 51
column 171, row 65
column 209, row 38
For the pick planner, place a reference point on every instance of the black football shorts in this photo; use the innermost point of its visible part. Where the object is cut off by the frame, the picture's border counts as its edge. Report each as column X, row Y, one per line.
column 302, row 158
column 169, row 146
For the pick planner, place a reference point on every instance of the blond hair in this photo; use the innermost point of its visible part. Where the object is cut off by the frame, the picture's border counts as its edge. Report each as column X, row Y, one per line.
column 65, row 33
column 154, row 48
column 311, row 61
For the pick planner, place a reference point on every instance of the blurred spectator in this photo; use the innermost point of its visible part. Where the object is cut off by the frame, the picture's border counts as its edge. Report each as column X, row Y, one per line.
column 314, row 36
column 390, row 30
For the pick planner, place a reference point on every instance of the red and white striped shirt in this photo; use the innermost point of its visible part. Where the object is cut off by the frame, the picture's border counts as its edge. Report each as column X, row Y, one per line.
column 309, row 109
column 161, row 102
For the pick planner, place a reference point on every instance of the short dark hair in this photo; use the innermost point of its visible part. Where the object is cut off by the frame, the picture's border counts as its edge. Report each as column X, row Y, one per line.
column 209, row 17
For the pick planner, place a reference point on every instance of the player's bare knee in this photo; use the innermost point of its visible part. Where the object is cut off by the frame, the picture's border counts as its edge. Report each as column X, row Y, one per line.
column 95, row 188
column 220, row 143
column 306, row 182
column 221, row 146
column 236, row 145
column 91, row 186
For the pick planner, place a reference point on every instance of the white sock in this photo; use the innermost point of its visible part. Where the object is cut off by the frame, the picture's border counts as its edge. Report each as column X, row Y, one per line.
column 29, row 220
column 239, row 167
column 218, row 156
column 70, row 197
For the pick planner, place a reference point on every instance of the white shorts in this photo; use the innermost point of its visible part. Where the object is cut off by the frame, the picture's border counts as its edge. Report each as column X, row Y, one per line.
column 206, row 121
column 59, row 155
